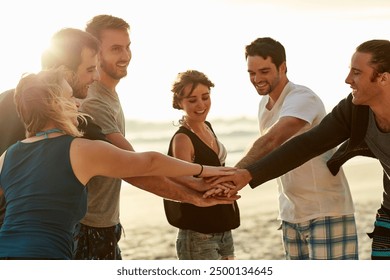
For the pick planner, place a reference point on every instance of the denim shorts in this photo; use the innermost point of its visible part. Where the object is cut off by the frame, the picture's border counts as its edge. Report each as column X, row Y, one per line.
column 192, row 245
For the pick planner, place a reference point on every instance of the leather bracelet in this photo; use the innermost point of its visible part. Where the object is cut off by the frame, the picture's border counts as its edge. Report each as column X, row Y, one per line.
column 200, row 173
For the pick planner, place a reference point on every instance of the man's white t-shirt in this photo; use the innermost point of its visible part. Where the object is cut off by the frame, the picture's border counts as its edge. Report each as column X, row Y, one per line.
column 310, row 190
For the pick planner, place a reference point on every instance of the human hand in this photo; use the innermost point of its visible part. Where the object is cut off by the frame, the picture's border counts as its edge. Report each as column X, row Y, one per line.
column 211, row 201
column 206, row 184
column 239, row 179
column 225, row 189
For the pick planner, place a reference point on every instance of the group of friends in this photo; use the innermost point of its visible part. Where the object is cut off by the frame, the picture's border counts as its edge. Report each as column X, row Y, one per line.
column 64, row 154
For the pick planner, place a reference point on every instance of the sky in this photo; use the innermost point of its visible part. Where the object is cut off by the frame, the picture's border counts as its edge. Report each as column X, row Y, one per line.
column 172, row 36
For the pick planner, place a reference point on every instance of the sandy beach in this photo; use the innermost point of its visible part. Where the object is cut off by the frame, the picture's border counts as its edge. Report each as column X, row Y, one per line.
column 148, row 236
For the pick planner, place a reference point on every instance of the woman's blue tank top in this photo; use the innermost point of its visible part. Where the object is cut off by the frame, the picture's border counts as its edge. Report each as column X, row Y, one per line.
column 44, row 200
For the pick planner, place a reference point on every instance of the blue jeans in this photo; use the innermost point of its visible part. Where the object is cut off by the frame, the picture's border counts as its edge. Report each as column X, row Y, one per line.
column 192, row 245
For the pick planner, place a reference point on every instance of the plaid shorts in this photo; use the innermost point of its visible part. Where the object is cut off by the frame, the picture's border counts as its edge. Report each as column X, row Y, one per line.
column 324, row 238
column 381, row 236
column 97, row 243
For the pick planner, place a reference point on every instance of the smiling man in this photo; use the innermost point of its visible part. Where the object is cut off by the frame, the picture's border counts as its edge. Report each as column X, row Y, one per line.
column 99, row 232
column 360, row 123
column 315, row 207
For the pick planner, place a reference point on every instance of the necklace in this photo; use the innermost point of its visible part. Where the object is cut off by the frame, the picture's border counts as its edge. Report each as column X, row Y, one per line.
column 49, row 131
column 208, row 129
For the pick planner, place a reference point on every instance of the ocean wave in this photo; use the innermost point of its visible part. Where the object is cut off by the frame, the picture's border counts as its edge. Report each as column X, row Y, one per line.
column 236, row 134
column 161, row 131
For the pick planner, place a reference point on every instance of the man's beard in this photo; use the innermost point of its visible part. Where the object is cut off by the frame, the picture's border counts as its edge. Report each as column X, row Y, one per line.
column 116, row 75
column 79, row 91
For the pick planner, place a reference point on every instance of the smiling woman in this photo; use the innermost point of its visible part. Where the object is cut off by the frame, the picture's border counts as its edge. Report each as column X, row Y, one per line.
column 203, row 233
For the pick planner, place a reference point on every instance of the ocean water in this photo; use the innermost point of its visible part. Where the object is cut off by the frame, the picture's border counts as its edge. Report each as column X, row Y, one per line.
column 236, row 134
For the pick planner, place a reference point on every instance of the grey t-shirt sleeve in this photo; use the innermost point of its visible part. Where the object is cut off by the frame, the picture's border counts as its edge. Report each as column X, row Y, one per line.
column 102, row 114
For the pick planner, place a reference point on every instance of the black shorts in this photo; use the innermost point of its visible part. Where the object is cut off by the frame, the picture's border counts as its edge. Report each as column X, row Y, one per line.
column 93, row 243
column 381, row 236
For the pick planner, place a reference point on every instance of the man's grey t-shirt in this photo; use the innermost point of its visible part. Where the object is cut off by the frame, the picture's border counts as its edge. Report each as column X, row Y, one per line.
column 378, row 142
column 103, row 192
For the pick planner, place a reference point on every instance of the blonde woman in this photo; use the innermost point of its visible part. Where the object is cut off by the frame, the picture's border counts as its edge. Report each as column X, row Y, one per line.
column 44, row 176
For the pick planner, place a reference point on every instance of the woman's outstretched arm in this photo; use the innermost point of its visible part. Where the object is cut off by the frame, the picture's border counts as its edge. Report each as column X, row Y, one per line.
column 93, row 158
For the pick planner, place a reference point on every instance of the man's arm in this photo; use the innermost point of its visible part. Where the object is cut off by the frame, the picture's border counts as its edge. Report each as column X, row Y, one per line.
column 280, row 132
column 325, row 136
column 197, row 184
column 166, row 188
column 333, row 130
column 117, row 139
column 180, row 189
